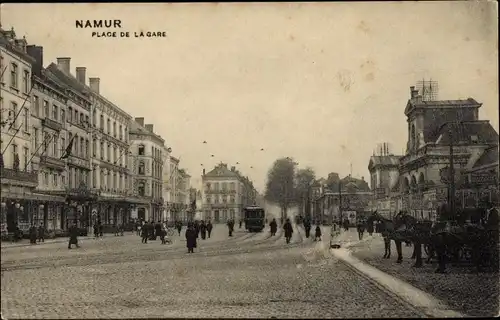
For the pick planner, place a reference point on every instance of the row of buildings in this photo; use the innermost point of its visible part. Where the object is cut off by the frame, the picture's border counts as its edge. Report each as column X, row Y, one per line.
column 68, row 154
column 451, row 159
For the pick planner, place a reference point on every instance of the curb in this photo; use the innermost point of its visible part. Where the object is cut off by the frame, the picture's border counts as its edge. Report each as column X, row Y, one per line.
column 419, row 300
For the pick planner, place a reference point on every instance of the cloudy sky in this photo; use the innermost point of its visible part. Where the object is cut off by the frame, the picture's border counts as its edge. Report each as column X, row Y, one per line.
column 322, row 83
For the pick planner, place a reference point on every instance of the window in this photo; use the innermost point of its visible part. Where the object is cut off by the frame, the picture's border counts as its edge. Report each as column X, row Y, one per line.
column 94, row 178
column 209, row 199
column 115, row 158
column 54, row 112
column 13, row 75
column 46, row 142
column 82, row 121
column 126, row 134
column 141, row 150
column 46, row 178
column 114, row 129
column 26, row 119
column 75, row 145
column 87, row 123
column 82, row 147
column 108, row 126
column 70, row 114
column 63, row 144
column 36, row 106
column 216, row 198
column 35, row 138
column 55, row 179
column 45, row 108
column 63, row 180
column 102, row 150
column 120, row 133
column 101, row 122
column 141, row 189
column 86, row 148
column 70, row 178
column 109, row 153
column 14, row 113
column 25, row 158
column 474, row 138
column 216, row 186
column 233, row 199
column 232, row 186
column 56, row 150
column 26, row 79
column 94, row 117
column 94, row 147
column 142, row 168
column 224, row 199
column 224, row 186
column 63, row 116
column 224, row 214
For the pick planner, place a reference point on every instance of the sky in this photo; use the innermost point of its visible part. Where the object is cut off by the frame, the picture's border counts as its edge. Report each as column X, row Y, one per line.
column 322, row 83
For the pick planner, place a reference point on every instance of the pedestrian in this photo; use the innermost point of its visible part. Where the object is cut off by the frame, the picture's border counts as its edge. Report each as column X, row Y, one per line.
column 209, row 228
column 190, row 238
column 178, row 224
column 241, row 223
column 73, row 236
column 96, row 231
column 370, row 227
column 151, row 231
column 274, row 227
column 101, row 229
column 33, row 234
column 41, row 233
column 145, row 233
column 158, row 230
column 361, row 229
column 346, row 224
column 230, row 225
column 163, row 233
column 203, row 230
column 307, row 227
column 287, row 227
column 317, row 233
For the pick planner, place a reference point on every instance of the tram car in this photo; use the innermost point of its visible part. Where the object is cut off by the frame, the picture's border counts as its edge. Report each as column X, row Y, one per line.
column 255, row 218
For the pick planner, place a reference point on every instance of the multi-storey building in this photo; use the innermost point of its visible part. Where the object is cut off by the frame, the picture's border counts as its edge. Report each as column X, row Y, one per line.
column 167, row 191
column 109, row 127
column 384, row 174
column 435, row 127
column 173, row 206
column 17, row 177
column 183, row 197
column 79, row 197
column 226, row 192
column 147, row 169
column 49, row 139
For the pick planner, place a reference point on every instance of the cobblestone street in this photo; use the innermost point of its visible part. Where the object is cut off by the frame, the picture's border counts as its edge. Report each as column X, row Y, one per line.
column 250, row 275
column 462, row 289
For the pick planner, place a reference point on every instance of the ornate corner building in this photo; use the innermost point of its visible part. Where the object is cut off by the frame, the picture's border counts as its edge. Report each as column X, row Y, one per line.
column 450, row 155
column 226, row 192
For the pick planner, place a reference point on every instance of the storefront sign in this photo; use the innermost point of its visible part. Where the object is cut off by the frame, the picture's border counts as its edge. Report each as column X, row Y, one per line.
column 483, row 178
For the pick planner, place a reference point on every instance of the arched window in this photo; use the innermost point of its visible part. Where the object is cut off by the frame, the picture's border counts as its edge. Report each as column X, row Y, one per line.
column 141, row 189
column 413, row 137
column 142, row 168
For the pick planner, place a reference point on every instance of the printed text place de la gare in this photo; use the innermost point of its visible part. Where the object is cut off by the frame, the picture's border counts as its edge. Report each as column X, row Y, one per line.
column 126, row 34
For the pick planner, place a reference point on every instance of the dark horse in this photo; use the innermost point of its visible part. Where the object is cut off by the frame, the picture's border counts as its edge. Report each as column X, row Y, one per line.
column 400, row 229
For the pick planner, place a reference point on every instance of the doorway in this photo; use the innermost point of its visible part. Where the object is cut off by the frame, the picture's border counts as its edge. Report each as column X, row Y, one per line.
column 216, row 215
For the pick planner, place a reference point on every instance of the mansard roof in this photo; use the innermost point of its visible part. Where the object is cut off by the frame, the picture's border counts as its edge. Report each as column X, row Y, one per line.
column 489, row 157
column 386, row 161
column 482, row 131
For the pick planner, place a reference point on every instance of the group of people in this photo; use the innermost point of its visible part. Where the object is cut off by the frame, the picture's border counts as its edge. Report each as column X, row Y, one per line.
column 288, row 229
column 37, row 233
column 198, row 229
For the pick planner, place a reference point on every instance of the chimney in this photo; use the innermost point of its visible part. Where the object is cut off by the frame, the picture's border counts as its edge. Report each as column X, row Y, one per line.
column 36, row 52
column 149, row 127
column 413, row 92
column 233, row 168
column 94, row 84
column 80, row 74
column 63, row 64
column 140, row 121
column 203, row 171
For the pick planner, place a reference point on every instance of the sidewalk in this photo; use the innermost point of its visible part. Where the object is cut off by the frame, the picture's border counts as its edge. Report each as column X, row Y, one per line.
column 469, row 293
column 26, row 242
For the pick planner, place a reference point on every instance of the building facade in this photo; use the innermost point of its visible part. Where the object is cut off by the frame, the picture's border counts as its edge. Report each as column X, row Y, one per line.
column 435, row 128
column 225, row 193
column 147, row 168
column 384, row 181
column 18, row 179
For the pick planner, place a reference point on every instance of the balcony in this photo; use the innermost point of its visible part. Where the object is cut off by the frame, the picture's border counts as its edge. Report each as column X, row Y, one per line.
column 20, row 176
column 54, row 125
column 52, row 162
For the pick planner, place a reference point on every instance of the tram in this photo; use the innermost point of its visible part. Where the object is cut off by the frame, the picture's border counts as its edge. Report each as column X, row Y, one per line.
column 255, row 218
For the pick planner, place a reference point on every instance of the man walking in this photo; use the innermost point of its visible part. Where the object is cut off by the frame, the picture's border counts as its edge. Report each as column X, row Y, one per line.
column 73, row 236
column 209, row 228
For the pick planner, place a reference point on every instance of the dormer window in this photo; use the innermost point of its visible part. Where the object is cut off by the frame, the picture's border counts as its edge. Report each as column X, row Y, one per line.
column 474, row 139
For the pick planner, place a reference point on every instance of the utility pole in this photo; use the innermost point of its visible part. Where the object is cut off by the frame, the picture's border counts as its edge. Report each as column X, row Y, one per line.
column 451, row 187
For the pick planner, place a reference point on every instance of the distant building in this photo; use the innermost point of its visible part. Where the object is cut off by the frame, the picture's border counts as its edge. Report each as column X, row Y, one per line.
column 147, row 167
column 226, row 192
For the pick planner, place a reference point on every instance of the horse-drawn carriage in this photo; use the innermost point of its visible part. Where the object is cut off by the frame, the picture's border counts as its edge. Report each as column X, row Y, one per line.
column 460, row 240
